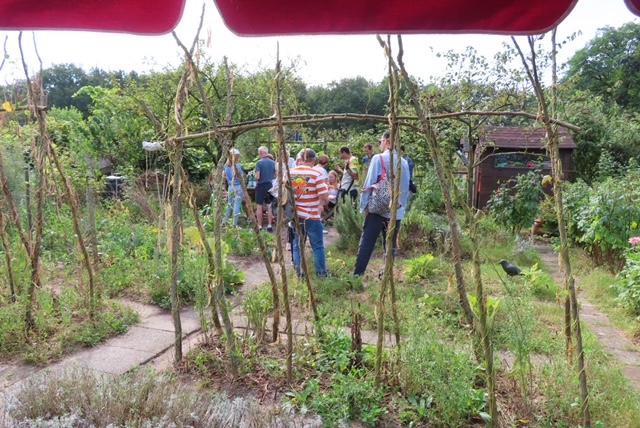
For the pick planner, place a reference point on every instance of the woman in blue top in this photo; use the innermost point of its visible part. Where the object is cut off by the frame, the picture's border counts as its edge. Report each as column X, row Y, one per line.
column 233, row 186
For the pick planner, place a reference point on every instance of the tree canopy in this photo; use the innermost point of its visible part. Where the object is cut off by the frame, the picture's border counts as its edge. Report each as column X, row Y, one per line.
column 609, row 66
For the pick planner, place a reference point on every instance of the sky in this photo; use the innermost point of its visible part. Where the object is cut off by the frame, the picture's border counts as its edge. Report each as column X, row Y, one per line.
column 320, row 59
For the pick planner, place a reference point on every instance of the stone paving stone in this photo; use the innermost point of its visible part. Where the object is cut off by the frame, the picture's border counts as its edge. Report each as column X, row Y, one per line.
column 143, row 339
column 109, row 359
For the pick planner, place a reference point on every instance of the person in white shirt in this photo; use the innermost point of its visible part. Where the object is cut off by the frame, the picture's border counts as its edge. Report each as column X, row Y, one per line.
column 348, row 185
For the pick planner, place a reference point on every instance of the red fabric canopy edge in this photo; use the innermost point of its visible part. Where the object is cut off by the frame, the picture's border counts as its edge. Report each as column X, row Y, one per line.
column 288, row 17
column 147, row 17
column 634, row 6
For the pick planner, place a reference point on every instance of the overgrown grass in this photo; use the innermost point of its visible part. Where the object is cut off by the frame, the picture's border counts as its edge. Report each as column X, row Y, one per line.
column 434, row 381
column 597, row 285
column 62, row 324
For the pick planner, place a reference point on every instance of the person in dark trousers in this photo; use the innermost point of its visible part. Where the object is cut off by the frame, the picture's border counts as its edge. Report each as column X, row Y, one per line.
column 375, row 224
column 265, row 173
column 348, row 185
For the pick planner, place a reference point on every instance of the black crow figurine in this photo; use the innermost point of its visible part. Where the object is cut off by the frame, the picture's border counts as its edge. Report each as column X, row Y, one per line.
column 510, row 269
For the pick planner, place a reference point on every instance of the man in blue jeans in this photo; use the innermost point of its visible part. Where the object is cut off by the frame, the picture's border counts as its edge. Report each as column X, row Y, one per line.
column 311, row 194
column 374, row 224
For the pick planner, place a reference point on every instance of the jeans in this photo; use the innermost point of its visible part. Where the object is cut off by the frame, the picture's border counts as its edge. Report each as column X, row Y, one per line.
column 235, row 203
column 374, row 224
column 314, row 230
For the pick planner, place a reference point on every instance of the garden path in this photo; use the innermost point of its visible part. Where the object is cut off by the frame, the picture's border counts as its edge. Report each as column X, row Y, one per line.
column 614, row 342
column 151, row 341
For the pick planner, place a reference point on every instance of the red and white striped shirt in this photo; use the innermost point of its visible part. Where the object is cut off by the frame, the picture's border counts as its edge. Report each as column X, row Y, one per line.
column 308, row 184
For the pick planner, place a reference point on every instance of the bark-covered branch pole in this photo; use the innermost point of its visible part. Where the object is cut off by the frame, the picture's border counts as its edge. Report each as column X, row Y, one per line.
column 283, row 174
column 176, row 218
column 450, row 193
column 439, row 162
column 553, row 148
column 35, row 239
column 6, row 244
column 353, row 117
column 216, row 277
column 394, row 179
column 213, row 272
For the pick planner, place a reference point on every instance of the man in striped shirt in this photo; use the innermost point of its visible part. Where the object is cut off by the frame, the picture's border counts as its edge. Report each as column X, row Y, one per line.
column 311, row 194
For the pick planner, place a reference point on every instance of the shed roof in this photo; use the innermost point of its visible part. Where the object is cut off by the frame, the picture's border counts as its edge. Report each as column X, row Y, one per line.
column 522, row 138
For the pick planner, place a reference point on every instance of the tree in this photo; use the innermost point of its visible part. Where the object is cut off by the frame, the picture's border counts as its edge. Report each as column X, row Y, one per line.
column 605, row 130
column 609, row 66
column 61, row 82
column 352, row 95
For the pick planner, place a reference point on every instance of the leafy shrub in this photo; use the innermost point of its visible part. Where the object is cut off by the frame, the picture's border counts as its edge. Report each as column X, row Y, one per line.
column 604, row 217
column 257, row 304
column 352, row 396
column 515, row 204
column 417, row 231
column 243, row 242
column 542, row 286
column 348, row 222
column 548, row 216
column 628, row 283
column 575, row 198
column 436, row 369
column 429, row 199
column 58, row 238
column 350, row 393
column 610, row 218
column 421, row 267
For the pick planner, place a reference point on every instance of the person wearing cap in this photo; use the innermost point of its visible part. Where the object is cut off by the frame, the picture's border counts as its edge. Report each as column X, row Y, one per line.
column 234, row 188
column 375, row 224
column 311, row 194
column 265, row 173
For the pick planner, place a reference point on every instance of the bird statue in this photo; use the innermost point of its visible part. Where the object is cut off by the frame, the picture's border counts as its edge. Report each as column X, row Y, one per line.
column 510, row 269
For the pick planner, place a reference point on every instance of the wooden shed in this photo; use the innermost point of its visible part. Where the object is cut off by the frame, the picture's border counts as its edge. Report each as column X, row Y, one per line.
column 509, row 151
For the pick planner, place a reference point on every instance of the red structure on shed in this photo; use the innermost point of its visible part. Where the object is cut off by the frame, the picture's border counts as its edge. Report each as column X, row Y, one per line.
column 509, row 151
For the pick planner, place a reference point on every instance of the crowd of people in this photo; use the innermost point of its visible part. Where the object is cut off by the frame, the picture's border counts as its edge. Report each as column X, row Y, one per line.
column 318, row 190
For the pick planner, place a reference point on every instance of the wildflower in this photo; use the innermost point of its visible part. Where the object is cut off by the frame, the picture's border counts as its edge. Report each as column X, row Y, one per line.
column 635, row 240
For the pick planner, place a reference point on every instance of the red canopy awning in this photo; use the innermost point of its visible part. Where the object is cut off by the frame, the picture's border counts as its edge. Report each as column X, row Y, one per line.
column 273, row 17
column 127, row 16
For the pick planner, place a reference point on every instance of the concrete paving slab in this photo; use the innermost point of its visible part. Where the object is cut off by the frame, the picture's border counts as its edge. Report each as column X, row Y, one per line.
column 109, row 359
column 143, row 339
column 164, row 321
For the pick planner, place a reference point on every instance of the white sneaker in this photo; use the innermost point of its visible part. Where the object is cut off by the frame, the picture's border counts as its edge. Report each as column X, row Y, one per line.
column 288, row 246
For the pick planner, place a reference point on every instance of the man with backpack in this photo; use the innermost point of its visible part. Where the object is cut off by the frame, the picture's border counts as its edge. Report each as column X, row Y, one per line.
column 376, row 223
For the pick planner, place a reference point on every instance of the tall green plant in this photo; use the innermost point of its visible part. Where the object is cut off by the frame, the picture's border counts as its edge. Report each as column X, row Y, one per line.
column 515, row 203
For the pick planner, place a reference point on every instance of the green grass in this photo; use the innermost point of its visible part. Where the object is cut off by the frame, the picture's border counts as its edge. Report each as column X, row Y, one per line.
column 597, row 287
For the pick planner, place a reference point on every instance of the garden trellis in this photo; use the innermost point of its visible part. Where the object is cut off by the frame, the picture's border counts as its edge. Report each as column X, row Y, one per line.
column 221, row 135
